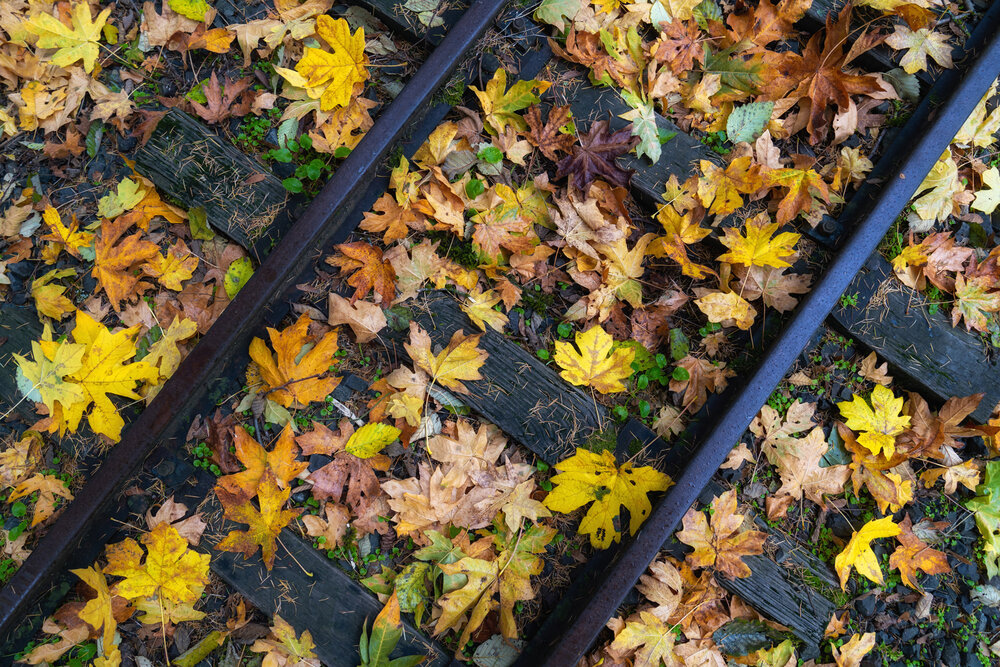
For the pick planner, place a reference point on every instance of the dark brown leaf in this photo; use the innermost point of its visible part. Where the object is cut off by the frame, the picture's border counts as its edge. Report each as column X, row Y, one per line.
column 594, row 156
column 547, row 137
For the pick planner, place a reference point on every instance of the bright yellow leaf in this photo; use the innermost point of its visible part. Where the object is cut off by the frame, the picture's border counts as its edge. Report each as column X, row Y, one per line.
column 97, row 612
column 879, row 422
column 596, row 477
column 595, row 365
column 858, row 552
column 371, row 439
column 756, row 245
column 331, row 76
column 172, row 574
column 79, row 42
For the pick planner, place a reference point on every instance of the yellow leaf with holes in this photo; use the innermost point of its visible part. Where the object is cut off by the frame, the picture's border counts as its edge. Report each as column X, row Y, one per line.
column 458, row 362
column 858, row 552
column 79, row 42
column 595, row 365
column 879, row 423
column 588, row 477
column 756, row 245
column 723, row 307
column 330, row 76
column 371, row 439
column 479, row 306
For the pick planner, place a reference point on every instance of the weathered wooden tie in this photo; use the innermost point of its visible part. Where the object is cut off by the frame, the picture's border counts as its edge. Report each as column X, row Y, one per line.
column 193, row 165
column 922, row 346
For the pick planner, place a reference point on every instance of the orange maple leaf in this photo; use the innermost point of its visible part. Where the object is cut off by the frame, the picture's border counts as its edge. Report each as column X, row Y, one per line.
column 292, row 380
column 370, row 271
column 264, row 524
column 116, row 258
column 280, row 461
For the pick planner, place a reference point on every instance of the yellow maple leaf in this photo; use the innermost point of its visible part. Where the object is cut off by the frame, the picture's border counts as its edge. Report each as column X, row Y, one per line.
column 500, row 104
column 459, row 361
column 595, row 365
column 283, row 647
column 171, row 579
column 720, row 189
column 858, row 552
column 756, row 245
column 78, row 42
column 65, row 237
column 331, row 76
column 292, row 380
column 49, row 298
column 988, row 198
column 69, row 378
column 650, row 638
column 879, row 422
column 264, row 524
column 43, row 378
column 175, row 267
column 479, row 306
column 596, row 477
column 919, row 44
column 371, row 439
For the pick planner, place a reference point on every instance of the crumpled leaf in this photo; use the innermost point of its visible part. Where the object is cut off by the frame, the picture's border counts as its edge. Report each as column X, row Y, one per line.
column 284, row 649
column 649, row 640
column 368, row 271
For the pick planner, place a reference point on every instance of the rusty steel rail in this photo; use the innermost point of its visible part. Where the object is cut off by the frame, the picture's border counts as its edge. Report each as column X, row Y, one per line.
column 327, row 220
column 921, row 144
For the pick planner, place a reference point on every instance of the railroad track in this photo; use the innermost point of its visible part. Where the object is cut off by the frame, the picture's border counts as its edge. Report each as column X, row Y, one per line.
column 149, row 443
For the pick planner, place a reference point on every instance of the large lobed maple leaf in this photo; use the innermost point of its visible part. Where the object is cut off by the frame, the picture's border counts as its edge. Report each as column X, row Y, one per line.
column 723, row 542
column 818, row 76
column 588, row 477
column 264, row 524
column 593, row 157
column 291, row 376
column 595, row 365
column 330, row 76
column 368, row 271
